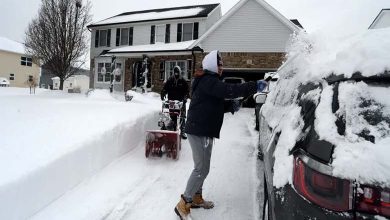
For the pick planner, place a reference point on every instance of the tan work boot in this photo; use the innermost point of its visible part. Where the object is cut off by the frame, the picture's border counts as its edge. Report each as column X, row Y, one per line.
column 182, row 208
column 199, row 202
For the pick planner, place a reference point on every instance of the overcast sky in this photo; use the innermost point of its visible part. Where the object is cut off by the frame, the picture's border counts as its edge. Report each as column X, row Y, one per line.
column 332, row 16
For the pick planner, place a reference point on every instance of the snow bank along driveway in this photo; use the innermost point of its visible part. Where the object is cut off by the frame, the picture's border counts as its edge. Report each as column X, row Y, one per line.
column 51, row 141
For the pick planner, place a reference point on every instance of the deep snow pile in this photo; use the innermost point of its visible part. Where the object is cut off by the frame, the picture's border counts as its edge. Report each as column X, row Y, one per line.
column 311, row 58
column 52, row 140
column 72, row 156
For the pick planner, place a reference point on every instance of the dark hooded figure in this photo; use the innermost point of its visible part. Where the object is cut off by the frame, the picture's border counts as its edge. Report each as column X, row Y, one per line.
column 177, row 89
column 210, row 99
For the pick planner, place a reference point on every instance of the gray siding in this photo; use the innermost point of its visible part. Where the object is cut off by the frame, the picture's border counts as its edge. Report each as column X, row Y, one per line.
column 251, row 29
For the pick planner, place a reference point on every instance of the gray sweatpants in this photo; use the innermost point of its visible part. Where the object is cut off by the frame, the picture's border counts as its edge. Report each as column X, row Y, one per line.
column 201, row 153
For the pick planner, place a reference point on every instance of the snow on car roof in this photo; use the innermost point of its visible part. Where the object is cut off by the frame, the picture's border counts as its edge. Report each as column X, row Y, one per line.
column 312, row 58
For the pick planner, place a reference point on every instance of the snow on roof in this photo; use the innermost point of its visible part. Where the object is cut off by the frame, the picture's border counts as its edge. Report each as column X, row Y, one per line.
column 179, row 46
column 11, row 46
column 147, row 16
column 4, row 81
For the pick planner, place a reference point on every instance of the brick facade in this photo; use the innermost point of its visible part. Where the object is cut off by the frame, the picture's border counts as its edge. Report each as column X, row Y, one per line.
column 231, row 60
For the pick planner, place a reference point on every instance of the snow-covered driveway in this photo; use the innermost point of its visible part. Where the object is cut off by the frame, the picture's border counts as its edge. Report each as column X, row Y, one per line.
column 134, row 187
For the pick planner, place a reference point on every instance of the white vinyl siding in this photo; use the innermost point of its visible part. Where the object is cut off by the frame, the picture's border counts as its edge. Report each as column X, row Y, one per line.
column 263, row 32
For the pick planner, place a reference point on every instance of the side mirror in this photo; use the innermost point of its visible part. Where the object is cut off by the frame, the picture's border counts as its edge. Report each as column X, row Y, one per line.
column 260, row 98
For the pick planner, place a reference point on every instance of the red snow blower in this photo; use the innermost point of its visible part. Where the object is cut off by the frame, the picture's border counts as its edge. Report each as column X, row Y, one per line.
column 167, row 140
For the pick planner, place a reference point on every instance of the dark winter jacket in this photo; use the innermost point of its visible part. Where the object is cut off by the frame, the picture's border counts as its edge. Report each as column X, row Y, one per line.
column 208, row 105
column 177, row 89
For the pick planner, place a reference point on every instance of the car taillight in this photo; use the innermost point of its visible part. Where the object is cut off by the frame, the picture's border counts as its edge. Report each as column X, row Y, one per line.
column 326, row 191
column 373, row 200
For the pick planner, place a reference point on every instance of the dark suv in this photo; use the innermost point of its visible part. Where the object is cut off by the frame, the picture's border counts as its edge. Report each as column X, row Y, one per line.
column 325, row 141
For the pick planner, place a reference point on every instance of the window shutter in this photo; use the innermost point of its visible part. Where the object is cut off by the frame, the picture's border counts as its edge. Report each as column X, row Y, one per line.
column 108, row 37
column 179, row 31
column 189, row 65
column 118, row 35
column 131, row 36
column 162, row 70
column 167, row 33
column 152, row 34
column 97, row 38
column 196, row 30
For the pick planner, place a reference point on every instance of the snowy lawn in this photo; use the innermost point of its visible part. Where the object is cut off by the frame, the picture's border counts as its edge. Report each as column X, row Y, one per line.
column 69, row 156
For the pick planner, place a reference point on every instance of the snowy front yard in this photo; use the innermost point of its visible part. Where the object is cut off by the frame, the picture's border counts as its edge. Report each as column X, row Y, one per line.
column 69, row 156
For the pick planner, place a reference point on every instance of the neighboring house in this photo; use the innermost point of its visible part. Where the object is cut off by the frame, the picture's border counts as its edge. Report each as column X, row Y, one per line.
column 161, row 35
column 46, row 80
column 79, row 82
column 15, row 65
column 382, row 20
column 251, row 37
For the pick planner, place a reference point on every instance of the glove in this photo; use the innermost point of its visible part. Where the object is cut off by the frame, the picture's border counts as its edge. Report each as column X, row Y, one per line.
column 261, row 85
column 235, row 106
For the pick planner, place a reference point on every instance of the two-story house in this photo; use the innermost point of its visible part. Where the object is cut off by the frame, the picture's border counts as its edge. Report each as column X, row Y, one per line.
column 17, row 67
column 252, row 38
column 164, row 37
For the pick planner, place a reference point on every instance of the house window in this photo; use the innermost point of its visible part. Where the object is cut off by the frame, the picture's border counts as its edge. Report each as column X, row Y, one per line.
column 124, row 36
column 11, row 76
column 183, row 64
column 160, row 33
column 187, row 31
column 26, row 61
column 103, row 38
column 104, row 71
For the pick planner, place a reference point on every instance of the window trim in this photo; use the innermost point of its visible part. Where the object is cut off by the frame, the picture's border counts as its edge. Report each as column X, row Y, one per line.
column 98, row 35
column 180, row 31
column 26, row 61
column 108, row 73
column 163, row 36
column 187, row 75
column 12, row 75
column 130, row 34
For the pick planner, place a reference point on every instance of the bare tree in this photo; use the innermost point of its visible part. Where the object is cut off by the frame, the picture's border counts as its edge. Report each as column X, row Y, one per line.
column 58, row 36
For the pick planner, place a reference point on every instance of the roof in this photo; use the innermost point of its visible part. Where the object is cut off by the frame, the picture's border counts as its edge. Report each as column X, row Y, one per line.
column 296, row 22
column 378, row 16
column 4, row 81
column 194, row 11
column 11, row 46
column 158, row 47
column 236, row 7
